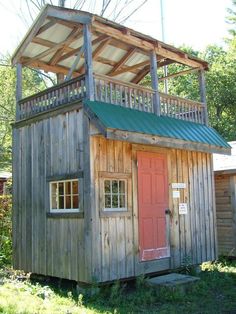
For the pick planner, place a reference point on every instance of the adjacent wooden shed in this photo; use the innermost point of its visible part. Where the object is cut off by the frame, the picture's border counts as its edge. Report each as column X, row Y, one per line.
column 225, row 189
column 111, row 179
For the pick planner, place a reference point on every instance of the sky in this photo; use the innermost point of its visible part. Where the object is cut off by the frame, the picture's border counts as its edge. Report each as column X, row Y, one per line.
column 195, row 23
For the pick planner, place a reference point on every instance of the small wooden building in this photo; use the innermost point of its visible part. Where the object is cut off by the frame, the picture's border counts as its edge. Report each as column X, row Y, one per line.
column 225, row 194
column 111, row 179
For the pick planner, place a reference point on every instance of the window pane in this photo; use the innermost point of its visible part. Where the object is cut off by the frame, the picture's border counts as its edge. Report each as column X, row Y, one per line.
column 61, row 202
column 68, row 201
column 107, row 186
column 75, row 187
column 54, row 188
column 114, row 186
column 68, row 187
column 107, row 201
column 61, row 188
column 54, row 201
column 122, row 186
column 122, row 201
column 114, row 201
column 75, row 201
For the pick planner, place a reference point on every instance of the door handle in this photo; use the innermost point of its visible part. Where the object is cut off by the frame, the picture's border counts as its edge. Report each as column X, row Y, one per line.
column 168, row 211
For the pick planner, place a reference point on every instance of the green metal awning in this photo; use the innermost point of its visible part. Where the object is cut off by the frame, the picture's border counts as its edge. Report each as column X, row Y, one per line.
column 125, row 119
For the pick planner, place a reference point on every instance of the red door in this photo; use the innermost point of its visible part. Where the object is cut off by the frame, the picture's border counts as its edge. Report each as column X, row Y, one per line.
column 152, row 202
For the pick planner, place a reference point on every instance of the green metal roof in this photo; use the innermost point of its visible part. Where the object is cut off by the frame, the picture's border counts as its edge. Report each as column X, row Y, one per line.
column 126, row 119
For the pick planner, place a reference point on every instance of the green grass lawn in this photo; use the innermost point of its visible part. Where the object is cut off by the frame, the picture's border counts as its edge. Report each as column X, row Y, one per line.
column 214, row 293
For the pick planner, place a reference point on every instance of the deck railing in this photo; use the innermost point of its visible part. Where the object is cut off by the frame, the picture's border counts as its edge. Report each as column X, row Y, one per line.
column 124, row 94
column 181, row 108
column 52, row 97
column 110, row 90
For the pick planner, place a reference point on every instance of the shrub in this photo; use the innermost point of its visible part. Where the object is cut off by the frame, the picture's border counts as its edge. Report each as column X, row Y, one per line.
column 5, row 231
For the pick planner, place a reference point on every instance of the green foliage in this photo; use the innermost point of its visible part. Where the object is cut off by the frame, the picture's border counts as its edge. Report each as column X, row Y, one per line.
column 231, row 19
column 214, row 293
column 32, row 83
column 5, row 231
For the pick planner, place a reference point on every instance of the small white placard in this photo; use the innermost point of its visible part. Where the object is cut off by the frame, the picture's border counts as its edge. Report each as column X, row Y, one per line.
column 178, row 185
column 176, row 194
column 183, row 208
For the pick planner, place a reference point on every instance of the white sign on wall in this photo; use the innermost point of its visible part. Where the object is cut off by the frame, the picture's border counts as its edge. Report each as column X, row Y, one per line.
column 176, row 194
column 183, row 208
column 178, row 185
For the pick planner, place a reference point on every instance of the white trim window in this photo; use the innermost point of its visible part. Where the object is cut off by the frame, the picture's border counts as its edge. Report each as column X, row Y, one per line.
column 64, row 196
column 115, row 194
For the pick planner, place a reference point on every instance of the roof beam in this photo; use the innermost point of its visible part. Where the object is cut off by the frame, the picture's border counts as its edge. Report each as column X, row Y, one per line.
column 47, row 67
column 97, row 51
column 69, row 15
column 123, row 60
column 60, row 52
column 141, row 75
column 29, row 36
column 146, row 45
column 178, row 74
column 45, row 27
column 70, row 38
column 101, row 47
column 69, row 24
column 75, row 51
column 130, row 68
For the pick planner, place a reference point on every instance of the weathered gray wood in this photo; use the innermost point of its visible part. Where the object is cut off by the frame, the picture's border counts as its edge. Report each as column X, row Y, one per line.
column 154, row 78
column 88, row 62
column 75, row 63
column 202, row 85
column 18, row 88
column 140, row 138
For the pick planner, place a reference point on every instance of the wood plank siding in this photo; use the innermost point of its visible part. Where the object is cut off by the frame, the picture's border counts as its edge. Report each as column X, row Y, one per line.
column 225, row 185
column 98, row 245
column 50, row 148
column 192, row 236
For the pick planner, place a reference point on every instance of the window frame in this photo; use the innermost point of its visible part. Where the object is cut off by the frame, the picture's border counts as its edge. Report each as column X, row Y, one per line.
column 64, row 210
column 115, row 209
column 127, row 177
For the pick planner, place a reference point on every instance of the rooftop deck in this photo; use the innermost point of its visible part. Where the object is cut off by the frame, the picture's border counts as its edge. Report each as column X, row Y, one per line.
column 112, row 91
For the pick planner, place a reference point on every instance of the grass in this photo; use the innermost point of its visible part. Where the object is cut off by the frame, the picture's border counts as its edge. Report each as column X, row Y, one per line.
column 214, row 293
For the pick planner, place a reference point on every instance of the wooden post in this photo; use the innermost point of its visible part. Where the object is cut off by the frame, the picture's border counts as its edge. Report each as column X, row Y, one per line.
column 18, row 88
column 60, row 78
column 88, row 63
column 154, row 78
column 202, row 85
column 91, row 221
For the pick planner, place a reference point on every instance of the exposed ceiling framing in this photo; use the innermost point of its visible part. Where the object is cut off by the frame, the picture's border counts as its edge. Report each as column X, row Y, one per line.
column 120, row 50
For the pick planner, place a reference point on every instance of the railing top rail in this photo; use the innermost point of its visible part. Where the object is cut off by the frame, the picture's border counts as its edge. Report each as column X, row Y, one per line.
column 51, row 89
column 192, row 102
column 128, row 84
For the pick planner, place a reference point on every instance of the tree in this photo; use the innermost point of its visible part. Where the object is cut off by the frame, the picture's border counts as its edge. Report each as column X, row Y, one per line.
column 32, row 83
column 231, row 19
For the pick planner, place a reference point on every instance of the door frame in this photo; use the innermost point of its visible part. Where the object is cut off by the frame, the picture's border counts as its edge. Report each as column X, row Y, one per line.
column 144, row 267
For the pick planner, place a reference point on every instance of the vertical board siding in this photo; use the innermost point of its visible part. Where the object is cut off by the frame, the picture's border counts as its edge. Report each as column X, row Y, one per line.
column 48, row 246
column 225, row 213
column 115, row 238
column 57, row 246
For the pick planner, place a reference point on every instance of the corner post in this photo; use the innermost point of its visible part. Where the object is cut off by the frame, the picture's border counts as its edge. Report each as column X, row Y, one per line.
column 154, row 78
column 202, row 85
column 18, row 88
column 91, row 213
column 88, row 62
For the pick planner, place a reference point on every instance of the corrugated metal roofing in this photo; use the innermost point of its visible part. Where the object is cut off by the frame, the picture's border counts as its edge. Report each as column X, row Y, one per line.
column 126, row 119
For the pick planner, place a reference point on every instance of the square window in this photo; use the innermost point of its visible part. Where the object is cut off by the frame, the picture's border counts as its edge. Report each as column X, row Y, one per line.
column 64, row 196
column 115, row 195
